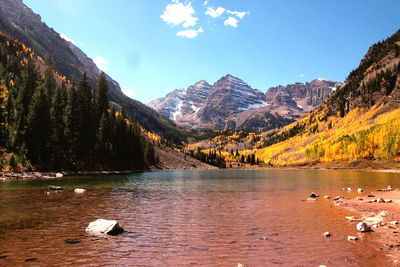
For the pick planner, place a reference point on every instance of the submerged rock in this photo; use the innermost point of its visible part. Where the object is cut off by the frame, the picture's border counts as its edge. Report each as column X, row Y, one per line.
column 103, row 226
column 55, row 188
column 79, row 190
column 363, row 227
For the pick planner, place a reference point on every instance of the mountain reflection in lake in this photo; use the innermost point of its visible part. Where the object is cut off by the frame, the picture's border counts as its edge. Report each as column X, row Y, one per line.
column 182, row 218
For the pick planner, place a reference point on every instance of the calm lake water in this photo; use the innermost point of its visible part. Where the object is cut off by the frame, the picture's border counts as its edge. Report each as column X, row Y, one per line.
column 189, row 218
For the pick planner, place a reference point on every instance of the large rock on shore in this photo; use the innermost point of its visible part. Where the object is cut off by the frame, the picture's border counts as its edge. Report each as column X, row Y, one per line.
column 102, row 226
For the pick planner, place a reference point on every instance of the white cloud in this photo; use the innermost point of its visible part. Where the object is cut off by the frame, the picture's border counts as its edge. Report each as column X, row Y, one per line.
column 215, row 13
column 189, row 33
column 231, row 21
column 177, row 13
column 65, row 37
column 101, row 63
column 239, row 14
column 205, row 2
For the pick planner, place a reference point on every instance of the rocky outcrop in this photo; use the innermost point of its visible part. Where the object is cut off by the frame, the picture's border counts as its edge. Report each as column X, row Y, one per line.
column 304, row 96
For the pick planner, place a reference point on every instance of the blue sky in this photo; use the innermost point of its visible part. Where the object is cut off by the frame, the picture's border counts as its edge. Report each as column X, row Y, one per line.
column 153, row 47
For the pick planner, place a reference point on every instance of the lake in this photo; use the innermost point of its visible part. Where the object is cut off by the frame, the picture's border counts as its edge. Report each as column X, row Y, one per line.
column 189, row 218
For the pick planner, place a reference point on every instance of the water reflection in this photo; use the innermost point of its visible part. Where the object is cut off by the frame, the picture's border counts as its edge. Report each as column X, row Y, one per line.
column 184, row 218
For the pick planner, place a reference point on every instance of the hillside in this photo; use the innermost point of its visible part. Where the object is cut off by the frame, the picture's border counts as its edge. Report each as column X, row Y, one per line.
column 231, row 104
column 20, row 22
column 359, row 121
column 49, row 123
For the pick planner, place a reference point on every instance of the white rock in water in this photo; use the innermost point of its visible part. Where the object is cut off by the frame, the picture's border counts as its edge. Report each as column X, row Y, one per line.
column 351, row 238
column 359, row 190
column 363, row 227
column 326, row 234
column 102, row 226
column 79, row 190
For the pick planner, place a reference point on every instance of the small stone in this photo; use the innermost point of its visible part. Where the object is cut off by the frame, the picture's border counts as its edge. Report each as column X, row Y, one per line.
column 348, row 189
column 380, row 200
column 383, row 213
column 352, row 238
column 327, row 197
column 79, row 190
column 326, row 234
column 359, row 198
column 352, row 218
column 322, row 266
column 394, row 222
column 47, row 193
column 59, row 175
column 313, row 195
column 371, row 195
column 379, row 190
column 311, row 199
column 388, row 200
column 337, row 197
column 363, row 227
column 389, row 188
column 359, row 190
column 55, row 188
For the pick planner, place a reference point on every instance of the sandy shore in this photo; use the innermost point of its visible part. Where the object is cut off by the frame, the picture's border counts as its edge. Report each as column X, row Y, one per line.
column 382, row 217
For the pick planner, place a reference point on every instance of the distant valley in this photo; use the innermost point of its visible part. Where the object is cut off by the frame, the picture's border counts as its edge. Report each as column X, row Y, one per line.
column 231, row 104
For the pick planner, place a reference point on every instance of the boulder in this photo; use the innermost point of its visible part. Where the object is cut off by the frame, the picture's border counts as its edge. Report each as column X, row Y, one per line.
column 363, row 227
column 359, row 190
column 79, row 190
column 352, row 238
column 102, row 226
column 55, row 188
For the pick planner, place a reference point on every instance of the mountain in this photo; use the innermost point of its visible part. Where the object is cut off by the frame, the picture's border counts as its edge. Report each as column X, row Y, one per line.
column 358, row 125
column 20, row 22
column 305, row 96
column 232, row 104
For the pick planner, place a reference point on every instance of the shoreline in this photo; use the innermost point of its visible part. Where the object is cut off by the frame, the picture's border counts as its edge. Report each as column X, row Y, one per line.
column 22, row 175
column 383, row 218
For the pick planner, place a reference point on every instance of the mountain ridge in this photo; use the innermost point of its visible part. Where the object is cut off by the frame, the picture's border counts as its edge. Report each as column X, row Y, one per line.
column 231, row 104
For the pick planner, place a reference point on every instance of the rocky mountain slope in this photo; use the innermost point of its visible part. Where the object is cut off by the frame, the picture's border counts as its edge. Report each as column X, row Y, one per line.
column 232, row 104
column 20, row 22
column 358, row 122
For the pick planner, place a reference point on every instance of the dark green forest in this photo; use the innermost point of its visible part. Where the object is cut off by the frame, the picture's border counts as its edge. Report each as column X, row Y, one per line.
column 48, row 123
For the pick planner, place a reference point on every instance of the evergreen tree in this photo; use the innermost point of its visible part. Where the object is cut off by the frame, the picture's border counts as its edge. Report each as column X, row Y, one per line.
column 101, row 95
column 38, row 130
